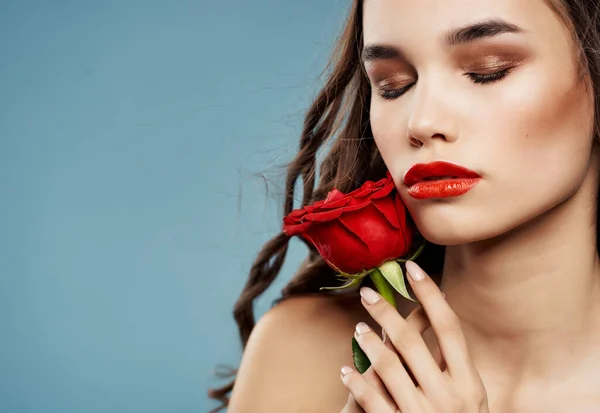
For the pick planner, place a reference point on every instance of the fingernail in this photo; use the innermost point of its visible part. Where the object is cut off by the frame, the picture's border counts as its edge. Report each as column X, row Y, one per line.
column 362, row 328
column 415, row 272
column 346, row 370
column 370, row 296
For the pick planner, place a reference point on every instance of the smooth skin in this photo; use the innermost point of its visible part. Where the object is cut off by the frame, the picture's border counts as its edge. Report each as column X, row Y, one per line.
column 521, row 270
column 433, row 387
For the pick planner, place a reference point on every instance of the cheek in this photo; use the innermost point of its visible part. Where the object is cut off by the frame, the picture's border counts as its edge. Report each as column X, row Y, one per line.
column 543, row 139
column 532, row 143
column 389, row 133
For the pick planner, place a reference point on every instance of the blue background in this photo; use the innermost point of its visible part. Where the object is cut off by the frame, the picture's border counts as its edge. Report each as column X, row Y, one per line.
column 132, row 138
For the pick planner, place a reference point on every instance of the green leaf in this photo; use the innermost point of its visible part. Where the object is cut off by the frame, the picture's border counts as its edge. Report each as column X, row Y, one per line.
column 393, row 274
column 350, row 284
column 361, row 361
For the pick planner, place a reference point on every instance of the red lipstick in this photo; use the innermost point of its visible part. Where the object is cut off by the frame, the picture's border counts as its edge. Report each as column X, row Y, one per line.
column 439, row 179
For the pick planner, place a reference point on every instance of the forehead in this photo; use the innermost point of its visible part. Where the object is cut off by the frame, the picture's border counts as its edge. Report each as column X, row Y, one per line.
column 390, row 21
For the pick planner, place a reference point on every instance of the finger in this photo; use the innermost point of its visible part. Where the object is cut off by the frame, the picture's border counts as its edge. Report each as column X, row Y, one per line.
column 365, row 395
column 352, row 406
column 434, row 348
column 388, row 343
column 388, row 367
column 407, row 340
column 444, row 321
column 373, row 379
column 419, row 321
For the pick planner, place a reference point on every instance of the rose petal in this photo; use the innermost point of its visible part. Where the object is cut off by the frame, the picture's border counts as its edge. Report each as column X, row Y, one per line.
column 389, row 209
column 372, row 229
column 338, row 203
column 324, row 216
column 333, row 195
column 341, row 254
column 291, row 230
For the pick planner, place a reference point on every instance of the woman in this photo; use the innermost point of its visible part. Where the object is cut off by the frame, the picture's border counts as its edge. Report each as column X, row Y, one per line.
column 509, row 90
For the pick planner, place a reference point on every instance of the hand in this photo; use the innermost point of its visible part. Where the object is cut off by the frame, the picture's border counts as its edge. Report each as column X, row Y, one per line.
column 419, row 321
column 451, row 385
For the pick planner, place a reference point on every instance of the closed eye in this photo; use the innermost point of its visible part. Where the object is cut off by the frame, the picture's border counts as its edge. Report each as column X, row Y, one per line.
column 390, row 94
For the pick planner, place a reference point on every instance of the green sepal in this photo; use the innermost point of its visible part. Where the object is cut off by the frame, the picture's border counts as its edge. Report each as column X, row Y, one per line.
column 359, row 275
column 392, row 272
column 415, row 255
column 361, row 361
column 350, row 284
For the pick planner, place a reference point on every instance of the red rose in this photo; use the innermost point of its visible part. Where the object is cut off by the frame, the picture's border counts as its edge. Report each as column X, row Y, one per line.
column 358, row 231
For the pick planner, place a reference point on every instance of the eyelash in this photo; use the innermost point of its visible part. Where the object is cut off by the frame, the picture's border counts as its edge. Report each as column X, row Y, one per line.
column 477, row 78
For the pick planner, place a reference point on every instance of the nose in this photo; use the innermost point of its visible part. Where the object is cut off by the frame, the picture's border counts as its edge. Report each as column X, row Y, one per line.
column 431, row 115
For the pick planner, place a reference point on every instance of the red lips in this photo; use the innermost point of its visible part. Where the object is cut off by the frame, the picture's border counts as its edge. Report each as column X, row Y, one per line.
column 420, row 171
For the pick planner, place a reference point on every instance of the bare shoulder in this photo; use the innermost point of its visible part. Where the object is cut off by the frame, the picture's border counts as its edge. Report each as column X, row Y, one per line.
column 292, row 360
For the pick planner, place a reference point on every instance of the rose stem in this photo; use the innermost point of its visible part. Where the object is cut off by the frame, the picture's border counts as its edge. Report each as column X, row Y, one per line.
column 383, row 286
column 386, row 291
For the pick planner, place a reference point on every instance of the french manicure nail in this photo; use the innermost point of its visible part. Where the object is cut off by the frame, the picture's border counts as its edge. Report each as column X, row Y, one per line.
column 362, row 328
column 415, row 272
column 370, row 296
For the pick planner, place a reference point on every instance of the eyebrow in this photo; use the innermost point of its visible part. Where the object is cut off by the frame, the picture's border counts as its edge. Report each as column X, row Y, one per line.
column 461, row 35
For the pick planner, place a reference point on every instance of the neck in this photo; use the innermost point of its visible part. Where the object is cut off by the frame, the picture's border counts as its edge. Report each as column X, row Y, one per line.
column 529, row 300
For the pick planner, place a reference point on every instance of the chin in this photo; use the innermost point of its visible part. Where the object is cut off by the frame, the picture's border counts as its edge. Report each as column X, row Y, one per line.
column 439, row 225
column 447, row 236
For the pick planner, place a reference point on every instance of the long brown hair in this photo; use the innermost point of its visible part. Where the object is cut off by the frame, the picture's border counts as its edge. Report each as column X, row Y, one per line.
column 340, row 115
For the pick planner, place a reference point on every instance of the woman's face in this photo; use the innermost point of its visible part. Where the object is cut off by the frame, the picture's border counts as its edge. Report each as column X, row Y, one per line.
column 527, row 132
